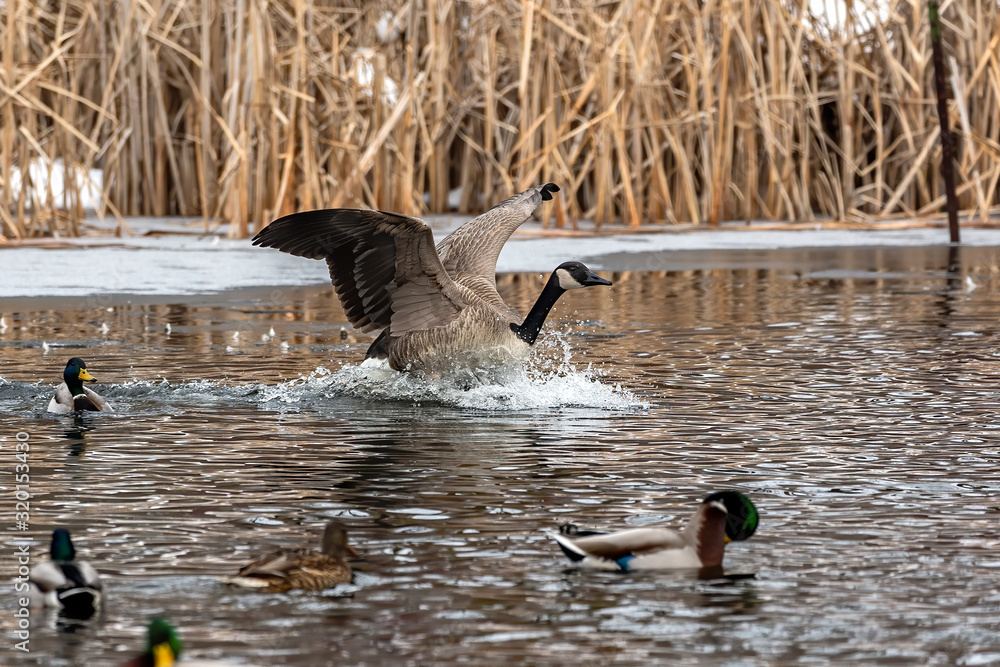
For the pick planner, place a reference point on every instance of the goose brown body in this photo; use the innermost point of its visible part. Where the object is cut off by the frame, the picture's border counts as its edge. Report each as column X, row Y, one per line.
column 480, row 336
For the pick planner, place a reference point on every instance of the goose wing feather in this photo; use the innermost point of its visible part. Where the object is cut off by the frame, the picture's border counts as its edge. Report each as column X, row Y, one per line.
column 383, row 266
column 632, row 541
column 474, row 247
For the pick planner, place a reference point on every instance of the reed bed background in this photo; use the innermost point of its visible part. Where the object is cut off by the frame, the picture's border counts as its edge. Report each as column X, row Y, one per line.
column 644, row 111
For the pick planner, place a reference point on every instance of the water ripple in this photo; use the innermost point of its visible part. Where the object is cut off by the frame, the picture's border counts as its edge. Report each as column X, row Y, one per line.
column 868, row 444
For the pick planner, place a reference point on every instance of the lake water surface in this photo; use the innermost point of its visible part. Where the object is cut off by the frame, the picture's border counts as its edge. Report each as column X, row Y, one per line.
column 852, row 394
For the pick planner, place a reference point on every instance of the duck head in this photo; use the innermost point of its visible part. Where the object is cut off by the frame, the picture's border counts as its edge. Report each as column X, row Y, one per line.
column 76, row 371
column 335, row 541
column 162, row 643
column 61, row 549
column 741, row 514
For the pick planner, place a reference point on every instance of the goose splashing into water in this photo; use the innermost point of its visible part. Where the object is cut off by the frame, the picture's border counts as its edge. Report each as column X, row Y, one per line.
column 437, row 307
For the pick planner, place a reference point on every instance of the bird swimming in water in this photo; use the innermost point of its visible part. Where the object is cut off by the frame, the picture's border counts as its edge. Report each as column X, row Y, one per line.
column 164, row 649
column 72, row 396
column 305, row 569
column 65, row 583
column 723, row 517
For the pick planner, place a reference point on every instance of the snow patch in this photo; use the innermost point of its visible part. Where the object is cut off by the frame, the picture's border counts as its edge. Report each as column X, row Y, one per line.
column 362, row 71
column 50, row 176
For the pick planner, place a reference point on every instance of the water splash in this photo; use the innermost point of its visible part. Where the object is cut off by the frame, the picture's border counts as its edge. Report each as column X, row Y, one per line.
column 549, row 381
column 543, row 384
column 519, row 390
column 524, row 389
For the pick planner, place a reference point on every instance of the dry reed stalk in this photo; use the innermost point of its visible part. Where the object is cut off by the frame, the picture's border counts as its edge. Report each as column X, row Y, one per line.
column 642, row 111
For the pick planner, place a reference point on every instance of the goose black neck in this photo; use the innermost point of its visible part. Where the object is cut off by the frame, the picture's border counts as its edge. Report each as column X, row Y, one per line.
column 528, row 331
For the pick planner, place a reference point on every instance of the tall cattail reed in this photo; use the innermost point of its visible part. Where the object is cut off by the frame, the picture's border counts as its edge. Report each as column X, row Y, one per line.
column 643, row 112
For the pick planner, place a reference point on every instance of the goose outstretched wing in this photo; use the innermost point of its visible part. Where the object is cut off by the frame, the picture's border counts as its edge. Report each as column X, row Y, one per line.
column 383, row 266
column 474, row 247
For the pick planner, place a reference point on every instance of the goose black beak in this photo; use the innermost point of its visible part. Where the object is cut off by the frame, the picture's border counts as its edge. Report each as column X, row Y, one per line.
column 594, row 279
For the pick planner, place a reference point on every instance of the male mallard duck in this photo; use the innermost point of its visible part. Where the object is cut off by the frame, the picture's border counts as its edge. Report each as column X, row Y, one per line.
column 64, row 582
column 163, row 649
column 163, row 646
column 309, row 570
column 726, row 516
column 71, row 395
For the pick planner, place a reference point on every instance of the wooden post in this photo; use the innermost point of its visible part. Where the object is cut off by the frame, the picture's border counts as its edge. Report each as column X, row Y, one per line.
column 947, row 140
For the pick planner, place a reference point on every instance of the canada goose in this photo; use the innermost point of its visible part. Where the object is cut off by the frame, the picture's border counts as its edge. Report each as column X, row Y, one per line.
column 308, row 570
column 437, row 307
column 71, row 585
column 726, row 516
column 71, row 395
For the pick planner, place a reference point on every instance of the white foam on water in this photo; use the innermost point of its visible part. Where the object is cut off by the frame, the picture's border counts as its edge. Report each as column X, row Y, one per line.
column 164, row 394
column 549, row 381
column 544, row 384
